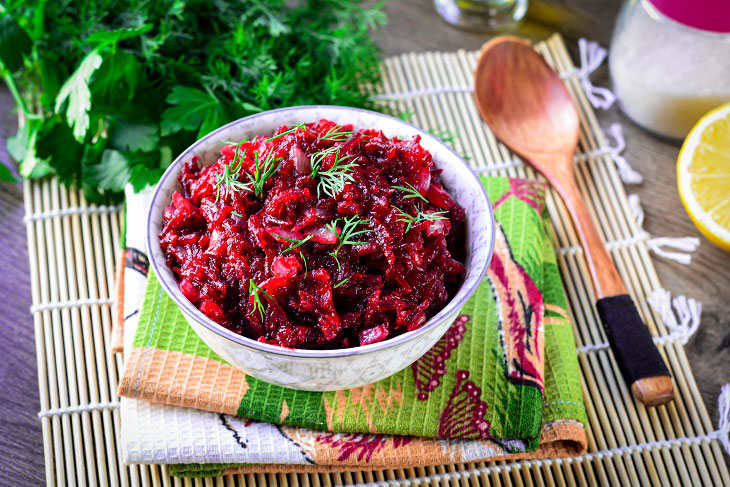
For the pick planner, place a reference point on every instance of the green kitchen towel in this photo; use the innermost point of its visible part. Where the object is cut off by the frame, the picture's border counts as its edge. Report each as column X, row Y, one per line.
column 510, row 363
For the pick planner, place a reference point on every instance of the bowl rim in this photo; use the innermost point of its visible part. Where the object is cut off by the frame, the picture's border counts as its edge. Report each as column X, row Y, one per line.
column 188, row 308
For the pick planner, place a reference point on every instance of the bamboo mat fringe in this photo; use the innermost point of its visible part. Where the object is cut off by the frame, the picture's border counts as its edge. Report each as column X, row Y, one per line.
column 72, row 248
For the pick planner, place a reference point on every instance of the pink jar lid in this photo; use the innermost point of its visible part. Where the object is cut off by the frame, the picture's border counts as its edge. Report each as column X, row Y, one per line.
column 712, row 15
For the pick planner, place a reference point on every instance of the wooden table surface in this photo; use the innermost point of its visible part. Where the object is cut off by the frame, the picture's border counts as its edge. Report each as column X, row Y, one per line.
column 413, row 26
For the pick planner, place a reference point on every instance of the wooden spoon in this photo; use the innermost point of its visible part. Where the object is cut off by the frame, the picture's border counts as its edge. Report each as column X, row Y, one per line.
column 527, row 106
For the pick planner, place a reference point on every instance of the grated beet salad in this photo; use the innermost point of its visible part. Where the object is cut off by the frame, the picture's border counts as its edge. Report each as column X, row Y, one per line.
column 317, row 237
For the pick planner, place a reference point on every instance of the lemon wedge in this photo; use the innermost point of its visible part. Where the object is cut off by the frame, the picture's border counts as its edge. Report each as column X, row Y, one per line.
column 703, row 175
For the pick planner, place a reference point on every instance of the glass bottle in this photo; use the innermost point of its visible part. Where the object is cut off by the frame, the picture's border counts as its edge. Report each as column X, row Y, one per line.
column 482, row 15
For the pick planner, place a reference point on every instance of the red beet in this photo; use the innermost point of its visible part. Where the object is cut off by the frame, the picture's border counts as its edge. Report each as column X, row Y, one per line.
column 267, row 258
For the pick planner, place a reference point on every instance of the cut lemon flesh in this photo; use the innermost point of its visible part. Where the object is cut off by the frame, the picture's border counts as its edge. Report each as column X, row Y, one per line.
column 703, row 175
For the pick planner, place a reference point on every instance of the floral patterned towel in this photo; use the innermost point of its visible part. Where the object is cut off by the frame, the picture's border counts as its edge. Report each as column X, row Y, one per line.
column 505, row 371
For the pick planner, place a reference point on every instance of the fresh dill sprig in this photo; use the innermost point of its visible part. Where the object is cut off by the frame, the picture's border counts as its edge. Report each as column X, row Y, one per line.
column 254, row 291
column 237, row 214
column 262, row 172
column 340, row 283
column 228, row 180
column 349, row 231
column 306, row 269
column 411, row 192
column 336, row 134
column 233, row 142
column 419, row 217
column 298, row 242
column 334, row 179
column 293, row 129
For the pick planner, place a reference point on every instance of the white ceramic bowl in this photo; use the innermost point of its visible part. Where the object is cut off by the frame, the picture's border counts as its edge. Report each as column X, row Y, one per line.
column 324, row 370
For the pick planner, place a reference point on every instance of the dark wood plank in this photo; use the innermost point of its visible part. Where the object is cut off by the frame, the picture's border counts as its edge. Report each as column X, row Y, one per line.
column 413, row 26
column 20, row 429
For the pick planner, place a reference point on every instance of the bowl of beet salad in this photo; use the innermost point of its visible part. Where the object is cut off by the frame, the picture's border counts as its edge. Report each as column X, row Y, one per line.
column 320, row 248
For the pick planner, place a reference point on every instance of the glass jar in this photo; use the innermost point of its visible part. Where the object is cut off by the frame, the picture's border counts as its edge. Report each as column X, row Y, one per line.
column 670, row 62
column 482, row 15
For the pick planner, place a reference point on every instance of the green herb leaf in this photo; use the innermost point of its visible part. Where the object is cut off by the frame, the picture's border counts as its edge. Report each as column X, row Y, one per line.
column 340, row 283
column 334, row 179
column 419, row 217
column 111, row 174
column 131, row 136
column 262, row 172
column 7, row 175
column 103, row 38
column 254, row 291
column 56, row 151
column 411, row 192
column 14, row 43
column 76, row 91
column 349, row 231
column 336, row 134
column 192, row 109
column 298, row 243
column 116, row 79
column 306, row 268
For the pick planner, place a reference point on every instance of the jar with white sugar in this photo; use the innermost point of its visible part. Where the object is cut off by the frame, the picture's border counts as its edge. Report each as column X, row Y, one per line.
column 670, row 62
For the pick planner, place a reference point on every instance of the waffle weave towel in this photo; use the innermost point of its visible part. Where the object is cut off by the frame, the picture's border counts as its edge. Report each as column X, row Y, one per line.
column 505, row 372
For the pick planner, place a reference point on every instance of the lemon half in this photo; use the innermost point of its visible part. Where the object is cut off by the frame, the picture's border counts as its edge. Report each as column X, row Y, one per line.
column 703, row 175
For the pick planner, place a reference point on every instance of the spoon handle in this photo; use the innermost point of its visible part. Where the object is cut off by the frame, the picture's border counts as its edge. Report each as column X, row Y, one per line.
column 637, row 356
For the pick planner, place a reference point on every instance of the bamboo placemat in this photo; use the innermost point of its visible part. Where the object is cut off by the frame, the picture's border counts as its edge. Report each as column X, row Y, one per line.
column 73, row 246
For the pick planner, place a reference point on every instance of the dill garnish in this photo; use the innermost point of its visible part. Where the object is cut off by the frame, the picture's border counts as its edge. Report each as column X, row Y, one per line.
column 262, row 172
column 334, row 179
column 336, row 134
column 287, row 132
column 294, row 241
column 419, row 217
column 411, row 192
column 228, row 181
column 254, row 291
column 349, row 231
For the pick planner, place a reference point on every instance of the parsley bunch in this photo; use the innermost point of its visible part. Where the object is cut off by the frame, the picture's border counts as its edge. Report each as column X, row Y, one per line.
column 108, row 91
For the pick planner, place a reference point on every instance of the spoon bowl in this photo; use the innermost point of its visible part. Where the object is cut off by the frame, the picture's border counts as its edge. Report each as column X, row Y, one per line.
column 535, row 114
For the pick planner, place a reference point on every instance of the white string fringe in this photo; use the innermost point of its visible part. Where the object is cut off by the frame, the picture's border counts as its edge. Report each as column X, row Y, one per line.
column 591, row 57
column 93, row 406
column 687, row 310
column 658, row 245
column 723, row 405
column 36, row 308
column 627, row 173
column 722, row 434
column 86, row 210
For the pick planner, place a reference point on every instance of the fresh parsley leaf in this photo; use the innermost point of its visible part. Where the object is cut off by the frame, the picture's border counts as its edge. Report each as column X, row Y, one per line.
column 116, row 79
column 131, row 136
column 22, row 148
column 55, row 144
column 111, row 174
column 192, row 109
column 142, row 176
column 103, row 38
column 7, row 175
column 14, row 43
column 76, row 91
